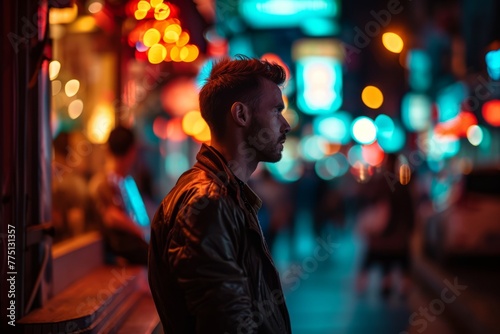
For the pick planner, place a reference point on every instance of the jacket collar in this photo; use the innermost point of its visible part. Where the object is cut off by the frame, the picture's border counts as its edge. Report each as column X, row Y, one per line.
column 212, row 160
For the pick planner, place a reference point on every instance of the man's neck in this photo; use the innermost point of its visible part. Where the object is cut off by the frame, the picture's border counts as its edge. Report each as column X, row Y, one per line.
column 239, row 164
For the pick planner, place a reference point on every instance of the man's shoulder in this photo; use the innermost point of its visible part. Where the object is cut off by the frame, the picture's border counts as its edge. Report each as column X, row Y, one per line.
column 199, row 183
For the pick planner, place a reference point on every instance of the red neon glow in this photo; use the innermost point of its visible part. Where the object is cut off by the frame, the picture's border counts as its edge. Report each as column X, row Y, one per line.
column 491, row 112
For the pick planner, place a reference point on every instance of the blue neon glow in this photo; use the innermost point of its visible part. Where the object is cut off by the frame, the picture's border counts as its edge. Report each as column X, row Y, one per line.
column 335, row 128
column 204, row 73
column 320, row 27
column 449, row 100
column 416, row 112
column 134, row 202
column 319, row 85
column 241, row 45
column 493, row 64
column 391, row 142
column 285, row 13
column 419, row 70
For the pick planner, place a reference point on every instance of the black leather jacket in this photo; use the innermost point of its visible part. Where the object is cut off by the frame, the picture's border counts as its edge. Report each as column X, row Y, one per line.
column 210, row 270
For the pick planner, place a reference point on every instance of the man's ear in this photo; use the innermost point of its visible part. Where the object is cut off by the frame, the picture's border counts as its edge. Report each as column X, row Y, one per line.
column 240, row 114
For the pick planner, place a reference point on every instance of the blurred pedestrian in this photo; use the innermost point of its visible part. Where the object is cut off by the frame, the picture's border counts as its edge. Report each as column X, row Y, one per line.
column 117, row 200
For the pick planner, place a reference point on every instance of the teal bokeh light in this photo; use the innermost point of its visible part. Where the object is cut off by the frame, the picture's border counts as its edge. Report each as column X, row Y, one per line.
column 493, row 64
column 319, row 85
column 335, row 128
column 449, row 100
column 391, row 142
column 332, row 166
column 416, row 112
column 286, row 13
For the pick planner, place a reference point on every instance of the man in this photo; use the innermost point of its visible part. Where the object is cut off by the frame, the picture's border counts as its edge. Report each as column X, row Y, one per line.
column 210, row 270
column 117, row 211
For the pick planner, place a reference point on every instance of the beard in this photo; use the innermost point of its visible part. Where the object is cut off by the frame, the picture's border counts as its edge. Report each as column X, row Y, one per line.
column 266, row 144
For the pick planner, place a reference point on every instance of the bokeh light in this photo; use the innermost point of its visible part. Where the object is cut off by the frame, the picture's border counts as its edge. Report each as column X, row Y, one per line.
column 393, row 141
column 492, row 59
column 475, row 135
column 95, row 7
column 160, row 127
column 372, row 97
column 72, row 87
column 75, row 109
column 54, row 68
column 491, row 112
column 157, row 54
column 393, row 42
column 162, row 11
column 364, row 130
column 151, row 37
column 404, row 174
column 416, row 111
column 372, row 154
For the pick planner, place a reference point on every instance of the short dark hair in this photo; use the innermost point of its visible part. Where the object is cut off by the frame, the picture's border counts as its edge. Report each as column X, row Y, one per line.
column 233, row 80
column 120, row 141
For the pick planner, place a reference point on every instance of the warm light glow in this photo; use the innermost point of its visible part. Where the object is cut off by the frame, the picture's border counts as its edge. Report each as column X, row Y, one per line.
column 162, row 11
column 404, row 174
column 184, row 53
column 155, row 3
column 193, row 123
column 174, row 54
column 95, row 7
column 151, row 37
column 193, row 53
column 157, row 54
column 361, row 172
column 140, row 14
column 72, row 87
column 56, row 87
column 143, row 6
column 204, row 136
column 183, row 39
column 75, row 109
column 54, row 68
column 63, row 15
column 393, row 42
column 172, row 33
column 100, row 124
column 491, row 112
column 83, row 24
column 372, row 97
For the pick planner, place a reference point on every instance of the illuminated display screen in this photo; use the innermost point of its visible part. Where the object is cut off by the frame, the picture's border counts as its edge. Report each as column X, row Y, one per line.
column 286, row 13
